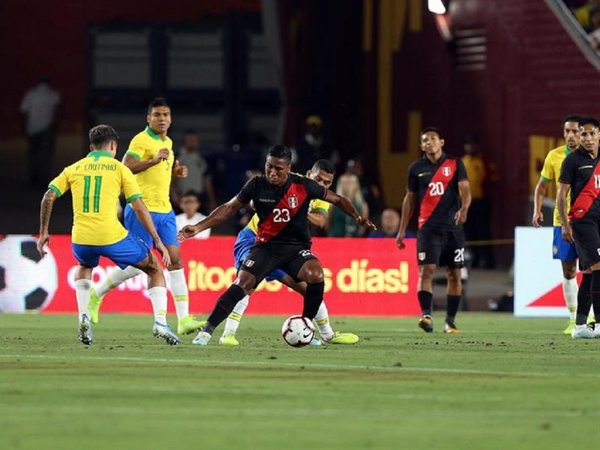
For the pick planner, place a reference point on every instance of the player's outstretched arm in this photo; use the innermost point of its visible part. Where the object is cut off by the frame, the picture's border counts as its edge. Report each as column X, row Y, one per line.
column 45, row 213
column 219, row 215
column 136, row 166
column 538, row 200
column 346, row 205
column 408, row 208
column 140, row 210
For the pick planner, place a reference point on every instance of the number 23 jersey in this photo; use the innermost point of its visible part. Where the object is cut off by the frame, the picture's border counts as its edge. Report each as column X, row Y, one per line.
column 436, row 188
column 282, row 210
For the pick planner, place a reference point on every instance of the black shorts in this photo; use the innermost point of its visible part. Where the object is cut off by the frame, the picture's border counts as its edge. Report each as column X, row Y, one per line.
column 586, row 233
column 441, row 247
column 263, row 259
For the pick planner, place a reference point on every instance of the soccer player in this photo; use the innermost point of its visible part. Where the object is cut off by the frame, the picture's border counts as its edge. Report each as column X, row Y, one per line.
column 281, row 200
column 438, row 183
column 561, row 249
column 580, row 175
column 150, row 158
column 322, row 172
column 96, row 182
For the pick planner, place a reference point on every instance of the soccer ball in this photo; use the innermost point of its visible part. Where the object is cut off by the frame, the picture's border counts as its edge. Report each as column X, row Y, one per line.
column 298, row 331
column 27, row 281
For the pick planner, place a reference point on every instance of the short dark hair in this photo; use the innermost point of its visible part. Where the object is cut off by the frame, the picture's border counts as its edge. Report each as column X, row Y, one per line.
column 431, row 130
column 324, row 164
column 280, row 151
column 158, row 101
column 101, row 134
column 571, row 118
column 191, row 193
column 588, row 121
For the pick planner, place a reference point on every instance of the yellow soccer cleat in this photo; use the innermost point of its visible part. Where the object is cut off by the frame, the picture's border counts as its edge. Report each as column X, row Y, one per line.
column 229, row 339
column 189, row 324
column 94, row 305
column 450, row 328
column 426, row 324
column 343, row 338
column 570, row 326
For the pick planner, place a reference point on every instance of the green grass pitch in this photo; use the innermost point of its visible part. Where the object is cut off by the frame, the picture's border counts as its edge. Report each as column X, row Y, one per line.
column 503, row 383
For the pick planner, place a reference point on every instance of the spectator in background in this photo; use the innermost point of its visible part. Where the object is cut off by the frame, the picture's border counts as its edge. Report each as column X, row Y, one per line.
column 477, row 227
column 199, row 179
column 594, row 36
column 348, row 186
column 190, row 205
column 370, row 191
column 583, row 14
column 313, row 146
column 39, row 106
column 390, row 224
column 245, row 214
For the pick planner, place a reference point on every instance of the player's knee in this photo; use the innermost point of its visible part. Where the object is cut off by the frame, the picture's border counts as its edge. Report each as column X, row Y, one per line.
column 569, row 271
column 453, row 277
column 246, row 282
column 426, row 273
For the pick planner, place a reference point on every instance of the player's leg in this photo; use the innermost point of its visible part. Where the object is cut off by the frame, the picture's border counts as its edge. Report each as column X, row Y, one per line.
column 88, row 258
column 453, row 257
column 429, row 248
column 305, row 266
column 585, row 234
column 566, row 253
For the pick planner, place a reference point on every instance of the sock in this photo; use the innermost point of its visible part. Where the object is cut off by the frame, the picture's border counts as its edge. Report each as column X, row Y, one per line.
column 584, row 300
column 158, row 297
column 570, row 294
column 224, row 306
column 313, row 299
column 180, row 293
column 233, row 320
column 82, row 293
column 595, row 292
column 115, row 278
column 453, row 301
column 425, row 300
column 322, row 321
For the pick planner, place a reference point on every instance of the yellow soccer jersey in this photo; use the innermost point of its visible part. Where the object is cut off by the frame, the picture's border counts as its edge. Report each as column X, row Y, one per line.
column 96, row 182
column 551, row 172
column 316, row 206
column 154, row 182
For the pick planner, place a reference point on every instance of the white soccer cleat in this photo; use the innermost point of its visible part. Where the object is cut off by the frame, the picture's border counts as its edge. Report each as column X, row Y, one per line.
column 203, row 338
column 85, row 330
column 582, row 332
column 162, row 330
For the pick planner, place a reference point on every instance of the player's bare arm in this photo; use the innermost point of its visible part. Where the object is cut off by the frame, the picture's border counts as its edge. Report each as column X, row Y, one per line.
column 538, row 200
column 408, row 209
column 346, row 205
column 179, row 171
column 45, row 213
column 464, row 191
column 567, row 231
column 318, row 219
column 137, row 166
column 141, row 211
column 219, row 215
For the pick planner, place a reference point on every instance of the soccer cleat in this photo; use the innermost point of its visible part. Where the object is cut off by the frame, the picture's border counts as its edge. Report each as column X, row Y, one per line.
column 94, row 305
column 426, row 324
column 162, row 330
column 596, row 331
column 203, row 338
column 189, row 324
column 315, row 342
column 85, row 330
column 450, row 328
column 343, row 338
column 228, row 339
column 582, row 332
column 570, row 326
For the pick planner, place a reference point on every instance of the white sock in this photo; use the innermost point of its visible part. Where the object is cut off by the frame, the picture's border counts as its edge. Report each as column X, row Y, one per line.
column 158, row 297
column 82, row 292
column 180, row 293
column 322, row 321
column 570, row 293
column 233, row 320
column 115, row 278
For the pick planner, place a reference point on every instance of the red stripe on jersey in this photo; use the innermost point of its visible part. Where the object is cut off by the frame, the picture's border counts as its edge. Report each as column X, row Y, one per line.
column 586, row 196
column 282, row 214
column 436, row 189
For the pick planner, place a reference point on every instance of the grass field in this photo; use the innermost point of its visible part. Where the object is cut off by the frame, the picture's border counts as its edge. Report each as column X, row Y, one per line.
column 504, row 383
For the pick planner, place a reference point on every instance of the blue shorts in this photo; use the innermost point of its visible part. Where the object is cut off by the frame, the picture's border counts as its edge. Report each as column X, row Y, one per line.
column 561, row 249
column 127, row 252
column 163, row 222
column 241, row 248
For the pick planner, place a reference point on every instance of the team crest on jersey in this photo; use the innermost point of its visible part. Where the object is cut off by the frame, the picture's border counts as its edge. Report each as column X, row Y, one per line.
column 293, row 201
column 446, row 171
column 248, row 263
column 422, row 256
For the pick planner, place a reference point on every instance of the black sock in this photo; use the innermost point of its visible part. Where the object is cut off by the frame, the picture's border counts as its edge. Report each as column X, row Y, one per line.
column 313, row 299
column 595, row 294
column 224, row 306
column 453, row 301
column 584, row 300
column 425, row 300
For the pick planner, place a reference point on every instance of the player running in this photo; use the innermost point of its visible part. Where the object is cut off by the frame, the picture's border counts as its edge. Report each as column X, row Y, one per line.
column 438, row 183
column 96, row 182
column 322, row 172
column 150, row 157
column 281, row 200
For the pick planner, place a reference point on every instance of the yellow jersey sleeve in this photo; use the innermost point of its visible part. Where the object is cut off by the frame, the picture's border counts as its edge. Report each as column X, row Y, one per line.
column 253, row 224
column 137, row 149
column 61, row 183
column 319, row 206
column 547, row 172
column 131, row 189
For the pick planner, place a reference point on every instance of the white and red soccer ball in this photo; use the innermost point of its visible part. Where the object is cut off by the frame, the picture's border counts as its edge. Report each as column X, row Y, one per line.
column 298, row 331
